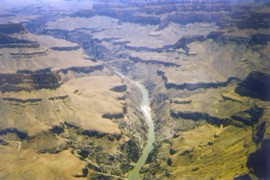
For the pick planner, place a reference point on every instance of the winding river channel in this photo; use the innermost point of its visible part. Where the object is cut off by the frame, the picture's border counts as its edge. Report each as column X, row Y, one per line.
column 145, row 107
column 134, row 174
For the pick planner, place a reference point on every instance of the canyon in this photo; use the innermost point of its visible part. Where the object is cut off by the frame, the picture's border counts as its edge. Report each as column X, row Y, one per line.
column 135, row 89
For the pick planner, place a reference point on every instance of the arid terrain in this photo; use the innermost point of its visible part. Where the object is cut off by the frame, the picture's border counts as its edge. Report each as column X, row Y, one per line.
column 69, row 107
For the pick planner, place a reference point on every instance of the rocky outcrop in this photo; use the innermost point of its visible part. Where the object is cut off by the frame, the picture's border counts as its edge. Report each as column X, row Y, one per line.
column 192, row 87
column 249, row 117
column 259, row 132
column 153, row 20
column 82, row 69
column 189, row 17
column 98, row 134
column 252, row 20
column 221, row 38
column 74, row 48
column 124, row 43
column 180, row 102
column 23, row 100
column 214, row 34
column 29, row 55
column 199, row 116
column 71, row 125
column 113, row 115
column 21, row 135
column 7, row 41
column 58, row 97
column 123, row 14
column 45, row 80
column 28, row 80
column 120, row 88
column 144, row 48
column 14, row 82
column 256, row 85
column 163, row 63
column 11, row 28
column 57, row 129
column 183, row 42
column 93, row 133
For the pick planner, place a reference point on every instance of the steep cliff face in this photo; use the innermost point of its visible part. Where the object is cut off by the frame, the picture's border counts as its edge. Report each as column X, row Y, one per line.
column 259, row 161
column 256, row 85
column 7, row 41
column 12, row 28
column 27, row 81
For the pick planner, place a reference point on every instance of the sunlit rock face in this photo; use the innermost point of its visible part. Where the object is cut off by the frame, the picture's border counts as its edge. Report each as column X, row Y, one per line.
column 69, row 115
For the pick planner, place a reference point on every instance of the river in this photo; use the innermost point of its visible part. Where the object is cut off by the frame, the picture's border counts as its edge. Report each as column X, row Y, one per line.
column 134, row 174
column 145, row 107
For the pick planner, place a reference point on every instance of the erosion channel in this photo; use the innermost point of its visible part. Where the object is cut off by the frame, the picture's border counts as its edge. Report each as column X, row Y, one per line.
column 134, row 174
